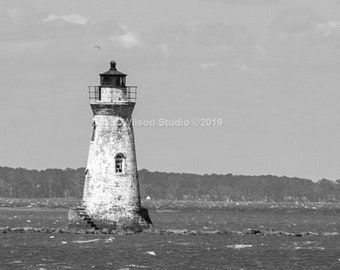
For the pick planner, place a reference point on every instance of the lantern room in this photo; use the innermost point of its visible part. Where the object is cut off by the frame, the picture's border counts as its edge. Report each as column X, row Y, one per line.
column 113, row 77
column 112, row 88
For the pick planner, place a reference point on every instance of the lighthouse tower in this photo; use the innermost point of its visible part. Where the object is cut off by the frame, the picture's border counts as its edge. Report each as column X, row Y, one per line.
column 111, row 197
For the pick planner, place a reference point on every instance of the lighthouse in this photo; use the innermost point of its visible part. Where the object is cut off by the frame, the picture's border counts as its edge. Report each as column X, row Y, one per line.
column 111, row 196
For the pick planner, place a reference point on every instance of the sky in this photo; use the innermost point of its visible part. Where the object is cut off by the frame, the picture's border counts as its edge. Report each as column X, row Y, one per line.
column 261, row 76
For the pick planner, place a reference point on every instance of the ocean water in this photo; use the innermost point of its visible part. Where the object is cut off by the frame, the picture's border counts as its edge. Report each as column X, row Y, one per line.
column 170, row 251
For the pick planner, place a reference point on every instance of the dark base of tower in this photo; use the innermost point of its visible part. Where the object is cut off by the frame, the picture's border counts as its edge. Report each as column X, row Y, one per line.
column 78, row 219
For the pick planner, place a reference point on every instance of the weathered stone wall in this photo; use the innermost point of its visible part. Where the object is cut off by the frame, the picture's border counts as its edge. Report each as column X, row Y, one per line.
column 110, row 197
column 110, row 94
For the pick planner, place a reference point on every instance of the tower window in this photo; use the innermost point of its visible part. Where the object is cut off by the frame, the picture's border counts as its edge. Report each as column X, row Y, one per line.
column 120, row 161
column 93, row 130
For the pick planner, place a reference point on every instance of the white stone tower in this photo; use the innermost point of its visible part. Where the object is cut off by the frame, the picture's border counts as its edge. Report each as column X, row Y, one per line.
column 111, row 197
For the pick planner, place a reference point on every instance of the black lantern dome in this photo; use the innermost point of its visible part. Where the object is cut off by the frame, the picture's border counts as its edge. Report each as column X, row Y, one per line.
column 113, row 77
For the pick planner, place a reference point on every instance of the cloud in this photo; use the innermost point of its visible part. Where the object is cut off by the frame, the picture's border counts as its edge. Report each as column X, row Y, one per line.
column 211, row 36
column 294, row 21
column 14, row 13
column 244, row 68
column 254, row 72
column 128, row 39
column 328, row 28
column 208, row 65
column 164, row 48
column 72, row 18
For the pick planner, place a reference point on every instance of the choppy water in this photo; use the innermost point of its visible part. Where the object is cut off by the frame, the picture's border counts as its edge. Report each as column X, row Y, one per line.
column 150, row 251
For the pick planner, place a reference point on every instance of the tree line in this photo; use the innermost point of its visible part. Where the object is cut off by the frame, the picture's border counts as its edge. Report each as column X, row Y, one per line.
column 58, row 183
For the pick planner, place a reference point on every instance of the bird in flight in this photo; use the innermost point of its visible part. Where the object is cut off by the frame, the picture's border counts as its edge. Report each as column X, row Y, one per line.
column 97, row 47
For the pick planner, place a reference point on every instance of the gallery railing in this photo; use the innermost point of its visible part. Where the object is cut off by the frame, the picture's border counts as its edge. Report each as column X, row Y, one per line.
column 127, row 93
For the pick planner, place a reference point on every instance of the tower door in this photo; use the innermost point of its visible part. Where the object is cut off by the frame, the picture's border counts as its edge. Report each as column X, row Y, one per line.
column 112, row 94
